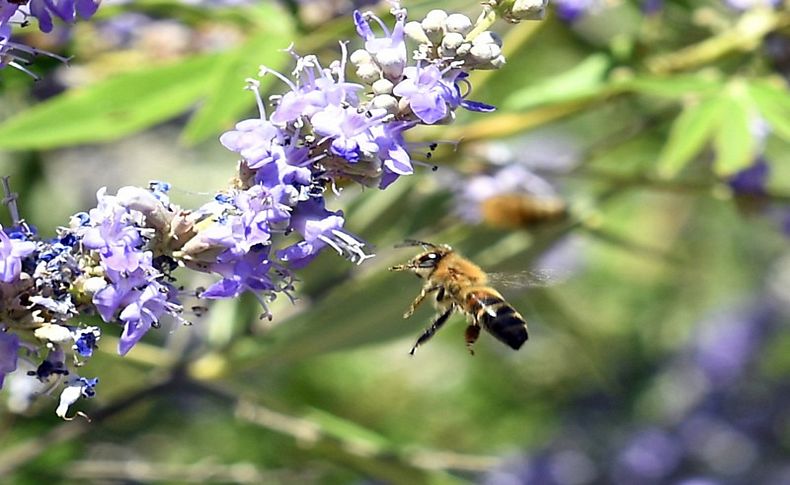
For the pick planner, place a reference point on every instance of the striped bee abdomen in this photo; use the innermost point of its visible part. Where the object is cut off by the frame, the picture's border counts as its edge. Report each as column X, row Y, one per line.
column 498, row 317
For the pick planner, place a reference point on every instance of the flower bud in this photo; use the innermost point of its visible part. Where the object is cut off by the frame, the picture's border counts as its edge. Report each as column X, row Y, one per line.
column 386, row 102
column 57, row 334
column 413, row 31
column 391, row 63
column 527, row 10
column 433, row 25
column 458, row 23
column 383, row 86
column 484, row 53
column 368, row 72
column 450, row 43
column 360, row 56
column 488, row 37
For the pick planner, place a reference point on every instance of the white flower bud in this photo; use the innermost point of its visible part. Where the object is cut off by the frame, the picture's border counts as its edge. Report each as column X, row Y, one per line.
column 433, row 25
column 452, row 41
column 93, row 285
column 386, row 102
column 391, row 62
column 488, row 37
column 459, row 23
column 368, row 72
column 383, row 86
column 360, row 56
column 528, row 10
column 463, row 49
column 484, row 53
column 413, row 31
column 57, row 334
column 498, row 62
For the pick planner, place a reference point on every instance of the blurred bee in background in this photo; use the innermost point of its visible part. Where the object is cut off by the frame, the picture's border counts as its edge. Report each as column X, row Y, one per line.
column 521, row 210
column 511, row 197
column 460, row 285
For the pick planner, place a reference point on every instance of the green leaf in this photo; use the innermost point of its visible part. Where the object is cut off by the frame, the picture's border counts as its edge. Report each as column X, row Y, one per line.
column 671, row 86
column 227, row 100
column 773, row 102
column 584, row 80
column 109, row 109
column 733, row 141
column 689, row 133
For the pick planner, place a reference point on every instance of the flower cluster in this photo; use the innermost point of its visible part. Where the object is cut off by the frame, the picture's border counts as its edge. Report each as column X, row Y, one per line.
column 16, row 54
column 116, row 261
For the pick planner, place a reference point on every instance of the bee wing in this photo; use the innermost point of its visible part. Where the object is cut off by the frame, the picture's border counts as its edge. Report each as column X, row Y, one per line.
column 540, row 278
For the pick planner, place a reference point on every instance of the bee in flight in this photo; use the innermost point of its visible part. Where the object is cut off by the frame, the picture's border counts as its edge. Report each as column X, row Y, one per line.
column 460, row 285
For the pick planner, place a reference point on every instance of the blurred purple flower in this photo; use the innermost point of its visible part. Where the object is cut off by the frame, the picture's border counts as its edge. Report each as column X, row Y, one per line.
column 750, row 4
column 9, row 344
column 66, row 10
column 650, row 455
column 751, row 180
column 12, row 251
column 143, row 311
column 572, row 10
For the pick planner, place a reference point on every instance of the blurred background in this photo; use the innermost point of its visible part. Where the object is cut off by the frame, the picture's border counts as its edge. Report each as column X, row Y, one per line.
column 631, row 194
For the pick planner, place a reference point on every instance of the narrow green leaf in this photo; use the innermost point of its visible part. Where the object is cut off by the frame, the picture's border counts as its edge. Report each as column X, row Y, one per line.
column 689, row 133
column 227, row 101
column 110, row 109
column 584, row 80
column 773, row 102
column 733, row 141
column 671, row 86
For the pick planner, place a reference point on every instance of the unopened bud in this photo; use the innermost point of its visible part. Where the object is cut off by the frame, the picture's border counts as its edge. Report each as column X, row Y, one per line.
column 433, row 25
column 488, row 37
column 413, row 31
column 383, row 86
column 386, row 102
column 450, row 43
column 360, row 56
column 368, row 72
column 459, row 23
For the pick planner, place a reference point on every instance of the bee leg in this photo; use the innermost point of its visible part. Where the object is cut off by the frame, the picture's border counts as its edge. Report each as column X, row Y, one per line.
column 436, row 325
column 472, row 333
column 423, row 293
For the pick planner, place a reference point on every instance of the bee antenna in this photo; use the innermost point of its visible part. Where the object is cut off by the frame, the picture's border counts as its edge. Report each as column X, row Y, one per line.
column 413, row 242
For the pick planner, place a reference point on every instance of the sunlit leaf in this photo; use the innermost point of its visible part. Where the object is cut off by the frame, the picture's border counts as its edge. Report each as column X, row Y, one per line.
column 226, row 100
column 773, row 102
column 110, row 109
column 733, row 141
column 671, row 86
column 583, row 80
column 689, row 133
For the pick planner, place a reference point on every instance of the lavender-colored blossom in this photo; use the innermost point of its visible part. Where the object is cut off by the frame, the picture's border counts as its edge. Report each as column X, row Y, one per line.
column 248, row 272
column 113, row 234
column 652, row 454
column 144, row 311
column 751, row 180
column 428, row 93
column 389, row 51
column 65, row 10
column 12, row 251
column 573, row 10
column 86, row 340
column 750, row 4
column 349, row 131
column 317, row 226
column 9, row 344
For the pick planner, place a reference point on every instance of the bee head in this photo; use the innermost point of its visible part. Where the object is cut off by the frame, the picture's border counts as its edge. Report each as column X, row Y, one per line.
column 424, row 263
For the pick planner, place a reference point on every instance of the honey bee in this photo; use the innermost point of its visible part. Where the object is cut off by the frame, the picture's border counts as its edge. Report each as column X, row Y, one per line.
column 513, row 211
column 460, row 285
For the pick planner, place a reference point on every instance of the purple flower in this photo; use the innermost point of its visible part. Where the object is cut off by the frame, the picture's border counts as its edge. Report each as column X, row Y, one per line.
column 66, row 10
column 751, row 181
column 349, row 131
column 431, row 98
column 389, row 51
column 113, row 234
column 319, row 228
column 651, row 454
column 9, row 344
column 143, row 312
column 241, row 273
column 572, row 10
column 12, row 251
column 86, row 340
column 392, row 151
column 257, row 141
column 750, row 4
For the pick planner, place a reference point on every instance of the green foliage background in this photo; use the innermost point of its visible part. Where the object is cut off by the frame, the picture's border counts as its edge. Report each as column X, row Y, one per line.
column 659, row 109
